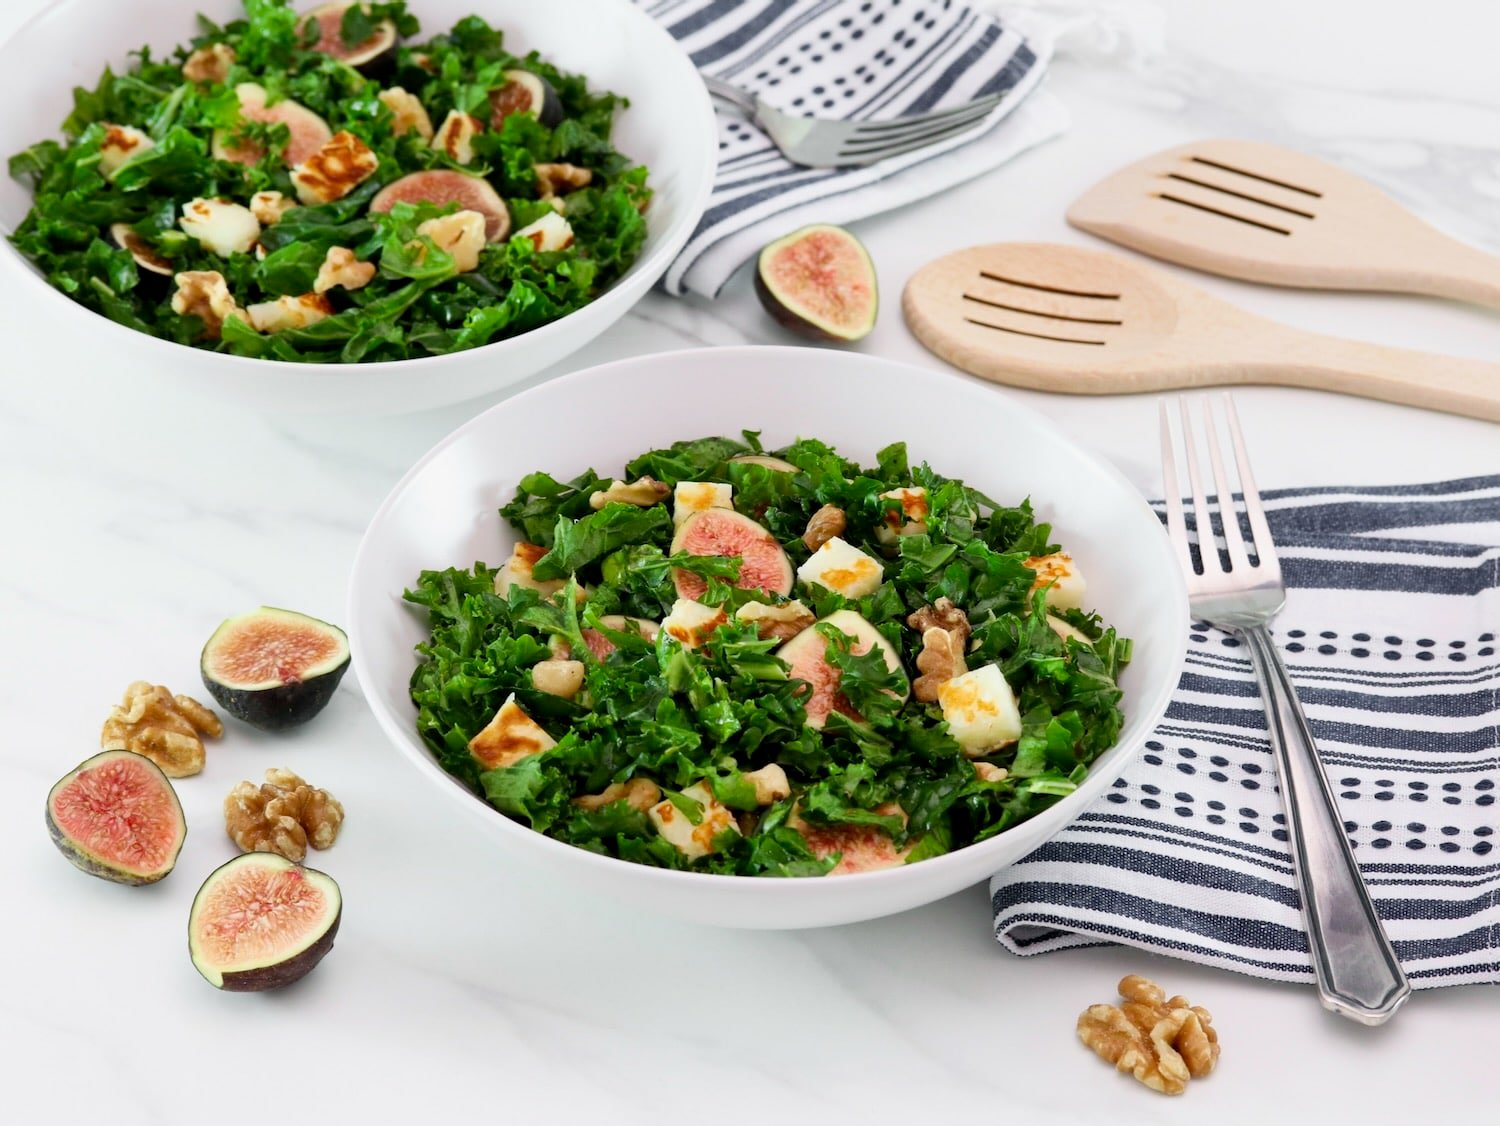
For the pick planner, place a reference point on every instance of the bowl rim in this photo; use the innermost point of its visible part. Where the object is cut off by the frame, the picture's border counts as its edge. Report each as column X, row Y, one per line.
column 649, row 267
column 1052, row 820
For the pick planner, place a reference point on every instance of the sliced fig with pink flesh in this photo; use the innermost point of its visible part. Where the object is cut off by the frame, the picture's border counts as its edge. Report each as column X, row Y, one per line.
column 860, row 848
column 819, row 281
column 601, row 646
column 274, row 668
column 807, row 656
column 309, row 132
column 722, row 531
column 116, row 816
column 370, row 53
column 444, row 185
column 260, row 922
column 524, row 92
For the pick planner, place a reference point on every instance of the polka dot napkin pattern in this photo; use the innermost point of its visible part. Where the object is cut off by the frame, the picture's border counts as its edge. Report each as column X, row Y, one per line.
column 847, row 59
column 1392, row 635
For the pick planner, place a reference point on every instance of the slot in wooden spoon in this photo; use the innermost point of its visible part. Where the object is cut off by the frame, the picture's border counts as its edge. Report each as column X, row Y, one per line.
column 1066, row 318
column 1268, row 214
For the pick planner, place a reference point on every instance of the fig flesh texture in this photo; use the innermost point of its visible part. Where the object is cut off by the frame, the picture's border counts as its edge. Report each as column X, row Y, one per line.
column 371, row 53
column 116, row 816
column 274, row 668
column 524, row 92
column 807, row 654
column 819, row 281
column 444, row 185
column 144, row 254
column 260, row 922
column 309, row 132
column 723, row 531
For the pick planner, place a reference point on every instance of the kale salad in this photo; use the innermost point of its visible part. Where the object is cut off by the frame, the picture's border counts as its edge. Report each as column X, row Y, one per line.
column 321, row 186
column 767, row 663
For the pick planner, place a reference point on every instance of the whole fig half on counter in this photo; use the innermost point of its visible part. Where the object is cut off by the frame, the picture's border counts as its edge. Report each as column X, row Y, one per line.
column 273, row 668
column 819, row 281
column 116, row 816
column 260, row 922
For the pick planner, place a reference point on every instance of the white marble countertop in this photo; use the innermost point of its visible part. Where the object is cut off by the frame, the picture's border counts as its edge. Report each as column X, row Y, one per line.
column 461, row 987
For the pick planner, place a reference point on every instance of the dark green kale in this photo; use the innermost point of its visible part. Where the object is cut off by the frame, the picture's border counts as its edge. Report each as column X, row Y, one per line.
column 652, row 708
column 418, row 303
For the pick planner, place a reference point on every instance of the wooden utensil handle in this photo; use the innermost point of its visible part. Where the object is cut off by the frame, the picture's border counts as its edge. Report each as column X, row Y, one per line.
column 1452, row 269
column 1419, row 379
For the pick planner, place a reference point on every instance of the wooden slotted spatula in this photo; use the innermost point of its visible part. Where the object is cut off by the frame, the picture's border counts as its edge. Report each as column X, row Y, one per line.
column 1268, row 214
column 1065, row 318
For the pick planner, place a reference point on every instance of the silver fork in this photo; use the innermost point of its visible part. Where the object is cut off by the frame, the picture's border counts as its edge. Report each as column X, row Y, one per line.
column 1357, row 972
column 822, row 143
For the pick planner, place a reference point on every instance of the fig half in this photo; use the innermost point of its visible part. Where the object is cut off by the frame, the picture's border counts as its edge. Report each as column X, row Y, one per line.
column 444, row 185
column 309, row 132
column 723, row 531
column 273, row 668
column 116, row 816
column 819, row 281
column 807, row 654
column 372, row 52
column 260, row 922
column 524, row 92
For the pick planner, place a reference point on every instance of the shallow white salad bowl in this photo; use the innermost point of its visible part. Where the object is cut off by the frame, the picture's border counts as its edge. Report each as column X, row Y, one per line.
column 668, row 126
column 443, row 514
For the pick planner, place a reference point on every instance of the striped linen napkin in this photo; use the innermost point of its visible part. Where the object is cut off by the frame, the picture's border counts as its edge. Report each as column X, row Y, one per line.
column 1390, row 633
column 852, row 59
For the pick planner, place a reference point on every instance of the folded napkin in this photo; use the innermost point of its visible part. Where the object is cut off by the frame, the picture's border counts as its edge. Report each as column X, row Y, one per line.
column 1389, row 632
column 846, row 59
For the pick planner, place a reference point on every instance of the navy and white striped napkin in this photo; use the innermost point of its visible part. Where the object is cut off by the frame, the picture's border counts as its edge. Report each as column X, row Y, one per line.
column 852, row 59
column 1390, row 633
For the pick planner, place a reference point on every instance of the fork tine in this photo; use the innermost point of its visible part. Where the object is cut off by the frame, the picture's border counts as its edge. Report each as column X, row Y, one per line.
column 873, row 153
column 1265, row 547
column 1208, row 544
column 1228, row 515
column 1176, row 525
column 860, row 140
column 894, row 125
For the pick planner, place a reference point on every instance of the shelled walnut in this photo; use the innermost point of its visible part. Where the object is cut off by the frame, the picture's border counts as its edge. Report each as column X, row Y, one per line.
column 941, row 659
column 942, row 614
column 553, row 180
column 167, row 729
column 282, row 815
column 1161, row 1041
column 823, row 525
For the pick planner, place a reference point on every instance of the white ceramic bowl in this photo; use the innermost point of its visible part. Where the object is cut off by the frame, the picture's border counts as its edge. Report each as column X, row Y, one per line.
column 443, row 514
column 668, row 126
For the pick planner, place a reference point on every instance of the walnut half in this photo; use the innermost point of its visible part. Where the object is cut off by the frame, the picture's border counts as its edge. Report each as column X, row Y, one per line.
column 1162, row 1042
column 823, row 525
column 167, row 729
column 941, row 659
column 282, row 815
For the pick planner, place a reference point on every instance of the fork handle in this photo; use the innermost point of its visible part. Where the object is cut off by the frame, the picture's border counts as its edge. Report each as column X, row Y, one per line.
column 740, row 99
column 1357, row 972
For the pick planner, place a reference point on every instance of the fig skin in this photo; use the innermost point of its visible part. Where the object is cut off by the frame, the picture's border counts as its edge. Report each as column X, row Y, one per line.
column 95, row 865
column 282, row 706
column 281, row 973
column 782, row 306
column 444, row 185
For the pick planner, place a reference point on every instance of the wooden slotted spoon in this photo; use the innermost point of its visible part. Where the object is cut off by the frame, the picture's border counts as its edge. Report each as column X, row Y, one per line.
column 1268, row 214
column 1065, row 318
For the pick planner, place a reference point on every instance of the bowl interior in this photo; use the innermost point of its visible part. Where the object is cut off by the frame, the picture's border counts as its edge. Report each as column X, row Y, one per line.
column 668, row 126
column 443, row 513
